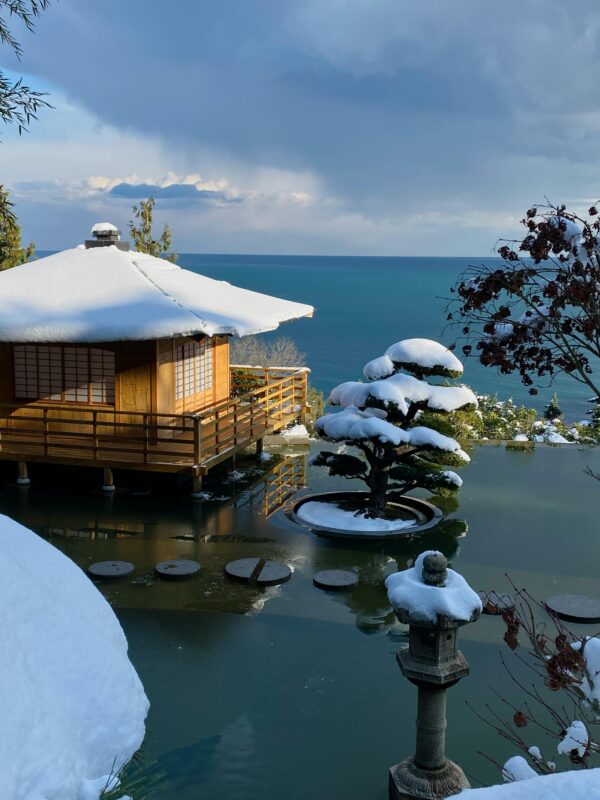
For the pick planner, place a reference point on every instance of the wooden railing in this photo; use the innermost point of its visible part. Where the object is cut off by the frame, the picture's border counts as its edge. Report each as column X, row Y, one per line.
column 59, row 432
column 281, row 398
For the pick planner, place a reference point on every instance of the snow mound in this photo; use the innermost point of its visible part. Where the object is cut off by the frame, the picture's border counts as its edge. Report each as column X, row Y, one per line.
column 424, row 353
column 572, row 785
column 517, row 769
column 73, row 707
column 456, row 600
column 328, row 515
column 295, row 432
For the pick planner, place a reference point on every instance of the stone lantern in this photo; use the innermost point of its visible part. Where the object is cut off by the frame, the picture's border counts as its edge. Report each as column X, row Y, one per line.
column 434, row 602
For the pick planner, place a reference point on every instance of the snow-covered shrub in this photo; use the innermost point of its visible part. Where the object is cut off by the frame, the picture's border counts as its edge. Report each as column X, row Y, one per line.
column 396, row 420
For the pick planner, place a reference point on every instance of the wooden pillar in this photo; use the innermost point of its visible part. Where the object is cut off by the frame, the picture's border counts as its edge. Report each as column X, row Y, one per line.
column 23, row 474
column 196, row 484
column 108, row 484
column 259, row 446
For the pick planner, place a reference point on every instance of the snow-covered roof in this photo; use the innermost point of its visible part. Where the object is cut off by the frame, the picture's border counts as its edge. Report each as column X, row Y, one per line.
column 106, row 294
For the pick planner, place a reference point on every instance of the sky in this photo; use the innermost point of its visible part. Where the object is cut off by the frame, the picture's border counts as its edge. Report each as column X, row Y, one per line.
column 349, row 127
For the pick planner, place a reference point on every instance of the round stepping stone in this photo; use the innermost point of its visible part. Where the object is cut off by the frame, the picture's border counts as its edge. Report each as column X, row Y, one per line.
column 177, row 568
column 575, row 607
column 258, row 570
column 335, row 579
column 495, row 603
column 108, row 570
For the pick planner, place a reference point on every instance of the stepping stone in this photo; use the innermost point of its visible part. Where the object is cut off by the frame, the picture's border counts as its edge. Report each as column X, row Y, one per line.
column 495, row 603
column 177, row 568
column 258, row 570
column 335, row 579
column 575, row 607
column 108, row 570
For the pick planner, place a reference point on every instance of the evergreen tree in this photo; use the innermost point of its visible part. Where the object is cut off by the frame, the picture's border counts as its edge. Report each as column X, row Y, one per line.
column 552, row 410
column 142, row 236
column 401, row 424
column 11, row 252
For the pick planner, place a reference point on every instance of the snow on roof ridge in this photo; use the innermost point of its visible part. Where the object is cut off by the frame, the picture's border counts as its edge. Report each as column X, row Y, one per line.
column 161, row 290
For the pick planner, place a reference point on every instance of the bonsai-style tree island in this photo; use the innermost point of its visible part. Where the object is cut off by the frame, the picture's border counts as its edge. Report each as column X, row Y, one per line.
column 400, row 422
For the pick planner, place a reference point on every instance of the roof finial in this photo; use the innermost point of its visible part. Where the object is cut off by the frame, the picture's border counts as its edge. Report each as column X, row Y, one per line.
column 435, row 569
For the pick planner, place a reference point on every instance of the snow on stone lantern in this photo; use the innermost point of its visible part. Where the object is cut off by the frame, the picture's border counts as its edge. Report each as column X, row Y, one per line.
column 434, row 602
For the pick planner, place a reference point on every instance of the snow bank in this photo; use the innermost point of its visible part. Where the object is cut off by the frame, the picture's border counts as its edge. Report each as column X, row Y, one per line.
column 574, row 785
column 73, row 707
column 401, row 390
column 105, row 294
column 455, row 600
column 517, row 769
column 328, row 515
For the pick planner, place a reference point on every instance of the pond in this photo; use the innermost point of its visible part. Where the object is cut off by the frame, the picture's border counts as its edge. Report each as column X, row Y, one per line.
column 291, row 691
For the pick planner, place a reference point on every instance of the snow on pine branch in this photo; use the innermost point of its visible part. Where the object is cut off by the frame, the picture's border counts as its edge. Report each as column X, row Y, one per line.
column 354, row 425
column 400, row 391
column 421, row 356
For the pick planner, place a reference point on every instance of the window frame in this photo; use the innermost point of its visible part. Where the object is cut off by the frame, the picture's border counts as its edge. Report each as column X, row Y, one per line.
column 97, row 362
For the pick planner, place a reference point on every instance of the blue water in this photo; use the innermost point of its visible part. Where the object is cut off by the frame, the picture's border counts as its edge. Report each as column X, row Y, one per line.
column 363, row 304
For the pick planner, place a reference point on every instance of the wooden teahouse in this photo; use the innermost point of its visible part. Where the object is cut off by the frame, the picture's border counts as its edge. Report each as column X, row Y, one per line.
column 113, row 358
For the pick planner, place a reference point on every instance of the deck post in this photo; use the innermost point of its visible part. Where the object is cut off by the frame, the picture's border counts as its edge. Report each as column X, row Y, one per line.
column 23, row 474
column 108, row 484
column 196, row 483
column 259, row 446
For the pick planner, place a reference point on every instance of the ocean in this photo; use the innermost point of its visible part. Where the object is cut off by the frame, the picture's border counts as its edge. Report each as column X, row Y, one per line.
column 364, row 304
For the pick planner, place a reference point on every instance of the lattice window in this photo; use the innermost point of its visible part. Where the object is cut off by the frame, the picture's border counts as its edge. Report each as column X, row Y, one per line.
column 193, row 368
column 64, row 374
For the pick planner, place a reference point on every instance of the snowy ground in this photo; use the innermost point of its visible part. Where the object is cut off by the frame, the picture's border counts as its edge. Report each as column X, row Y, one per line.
column 73, row 707
column 329, row 515
column 573, row 785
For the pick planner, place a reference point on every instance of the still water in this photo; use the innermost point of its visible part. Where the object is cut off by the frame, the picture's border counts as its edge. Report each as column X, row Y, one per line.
column 293, row 692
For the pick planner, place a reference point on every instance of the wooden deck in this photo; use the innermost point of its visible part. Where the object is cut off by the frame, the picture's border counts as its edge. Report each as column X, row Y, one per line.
column 159, row 442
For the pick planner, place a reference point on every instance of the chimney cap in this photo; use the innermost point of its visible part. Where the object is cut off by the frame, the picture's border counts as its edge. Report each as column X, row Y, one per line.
column 106, row 234
column 105, row 229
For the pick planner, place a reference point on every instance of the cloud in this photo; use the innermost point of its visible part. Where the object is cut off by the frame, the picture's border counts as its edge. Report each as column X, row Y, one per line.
column 358, row 116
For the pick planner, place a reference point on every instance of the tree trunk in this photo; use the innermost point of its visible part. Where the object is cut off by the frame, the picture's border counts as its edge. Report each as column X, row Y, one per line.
column 378, row 483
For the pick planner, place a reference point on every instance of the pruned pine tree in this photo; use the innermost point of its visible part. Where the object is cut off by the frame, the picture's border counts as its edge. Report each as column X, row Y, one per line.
column 19, row 104
column 399, row 423
column 141, row 232
column 11, row 252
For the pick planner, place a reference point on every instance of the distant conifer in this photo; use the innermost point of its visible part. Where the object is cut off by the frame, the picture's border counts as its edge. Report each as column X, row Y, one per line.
column 11, row 252
column 141, row 232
